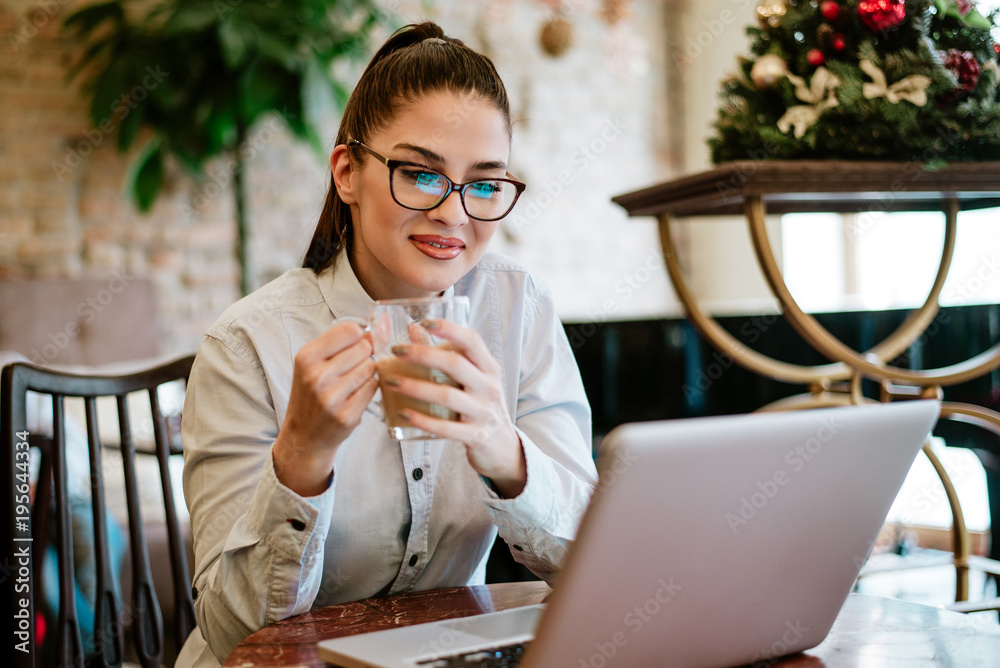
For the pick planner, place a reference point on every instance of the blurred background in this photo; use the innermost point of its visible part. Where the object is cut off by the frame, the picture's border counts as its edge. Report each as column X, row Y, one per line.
column 113, row 249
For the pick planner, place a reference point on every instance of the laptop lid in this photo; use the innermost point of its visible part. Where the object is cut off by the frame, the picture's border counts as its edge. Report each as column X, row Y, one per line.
column 725, row 541
column 710, row 542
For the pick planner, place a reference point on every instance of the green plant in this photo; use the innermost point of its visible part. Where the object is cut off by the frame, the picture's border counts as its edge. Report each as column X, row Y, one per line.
column 197, row 74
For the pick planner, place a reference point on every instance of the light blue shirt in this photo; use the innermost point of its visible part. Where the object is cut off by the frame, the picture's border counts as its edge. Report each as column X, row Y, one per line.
column 264, row 553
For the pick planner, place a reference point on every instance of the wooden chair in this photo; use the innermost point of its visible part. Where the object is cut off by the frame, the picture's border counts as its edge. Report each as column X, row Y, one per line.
column 27, row 523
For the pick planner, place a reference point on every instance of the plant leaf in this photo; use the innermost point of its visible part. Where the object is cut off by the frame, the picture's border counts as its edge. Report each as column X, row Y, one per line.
column 264, row 87
column 108, row 90
column 146, row 180
column 94, row 51
column 191, row 18
column 88, row 18
column 189, row 160
column 276, row 49
column 233, row 43
column 129, row 128
column 220, row 128
column 291, row 112
column 977, row 20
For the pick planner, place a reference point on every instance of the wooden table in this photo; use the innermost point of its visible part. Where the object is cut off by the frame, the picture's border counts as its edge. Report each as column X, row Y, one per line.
column 870, row 631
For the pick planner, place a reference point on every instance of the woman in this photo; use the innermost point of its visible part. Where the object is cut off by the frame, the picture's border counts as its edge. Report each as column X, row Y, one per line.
column 298, row 496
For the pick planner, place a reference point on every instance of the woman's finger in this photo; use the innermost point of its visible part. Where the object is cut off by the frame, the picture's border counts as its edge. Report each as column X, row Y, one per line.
column 339, row 337
column 347, row 359
column 343, row 386
column 451, row 362
column 466, row 339
column 492, row 445
column 418, row 334
column 454, row 399
column 354, row 404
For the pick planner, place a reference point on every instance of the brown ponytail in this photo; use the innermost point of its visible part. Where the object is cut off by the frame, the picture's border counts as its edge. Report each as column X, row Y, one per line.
column 416, row 60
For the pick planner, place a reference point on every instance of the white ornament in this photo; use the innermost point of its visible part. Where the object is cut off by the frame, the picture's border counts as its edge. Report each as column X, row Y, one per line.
column 768, row 70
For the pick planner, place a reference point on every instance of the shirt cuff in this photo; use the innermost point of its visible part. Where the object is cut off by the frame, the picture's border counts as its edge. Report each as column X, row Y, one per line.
column 534, row 507
column 287, row 522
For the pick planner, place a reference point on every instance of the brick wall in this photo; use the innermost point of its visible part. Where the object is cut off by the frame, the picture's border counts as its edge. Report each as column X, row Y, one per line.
column 592, row 124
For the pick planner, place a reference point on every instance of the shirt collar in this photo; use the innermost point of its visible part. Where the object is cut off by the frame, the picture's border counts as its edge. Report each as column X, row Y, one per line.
column 343, row 292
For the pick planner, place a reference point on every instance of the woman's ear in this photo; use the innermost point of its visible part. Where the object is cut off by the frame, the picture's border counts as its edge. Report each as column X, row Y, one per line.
column 344, row 173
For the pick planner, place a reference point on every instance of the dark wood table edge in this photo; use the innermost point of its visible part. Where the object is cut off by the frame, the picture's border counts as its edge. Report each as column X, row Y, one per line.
column 842, row 186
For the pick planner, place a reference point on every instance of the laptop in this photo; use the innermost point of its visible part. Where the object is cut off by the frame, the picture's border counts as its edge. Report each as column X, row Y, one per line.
column 709, row 542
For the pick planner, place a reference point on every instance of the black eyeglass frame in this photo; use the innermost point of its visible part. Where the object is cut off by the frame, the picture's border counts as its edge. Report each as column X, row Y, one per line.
column 460, row 188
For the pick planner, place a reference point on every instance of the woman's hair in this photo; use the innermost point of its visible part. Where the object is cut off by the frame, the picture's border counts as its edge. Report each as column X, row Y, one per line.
column 416, row 60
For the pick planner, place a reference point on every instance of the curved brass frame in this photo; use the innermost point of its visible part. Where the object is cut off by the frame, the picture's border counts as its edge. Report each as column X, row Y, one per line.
column 978, row 415
column 872, row 364
column 725, row 342
column 847, row 364
column 961, row 548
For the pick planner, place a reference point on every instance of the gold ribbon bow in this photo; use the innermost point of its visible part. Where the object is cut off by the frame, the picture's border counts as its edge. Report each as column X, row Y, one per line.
column 912, row 88
column 818, row 96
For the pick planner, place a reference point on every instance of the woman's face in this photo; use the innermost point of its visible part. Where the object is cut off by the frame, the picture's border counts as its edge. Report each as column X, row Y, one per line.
column 399, row 252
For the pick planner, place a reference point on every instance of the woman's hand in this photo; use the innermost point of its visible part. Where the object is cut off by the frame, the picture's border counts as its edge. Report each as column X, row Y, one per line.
column 332, row 383
column 491, row 444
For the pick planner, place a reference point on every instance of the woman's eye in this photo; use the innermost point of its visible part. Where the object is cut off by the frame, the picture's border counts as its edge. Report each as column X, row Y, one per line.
column 422, row 179
column 484, row 189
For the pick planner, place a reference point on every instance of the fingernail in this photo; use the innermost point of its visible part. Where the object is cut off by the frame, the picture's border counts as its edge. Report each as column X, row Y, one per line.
column 406, row 415
column 430, row 324
column 392, row 381
column 401, row 350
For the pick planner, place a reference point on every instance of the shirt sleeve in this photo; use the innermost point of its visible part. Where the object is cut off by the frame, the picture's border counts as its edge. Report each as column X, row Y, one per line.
column 553, row 421
column 258, row 545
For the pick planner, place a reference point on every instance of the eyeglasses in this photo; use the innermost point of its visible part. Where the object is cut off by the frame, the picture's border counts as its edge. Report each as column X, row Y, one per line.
column 420, row 188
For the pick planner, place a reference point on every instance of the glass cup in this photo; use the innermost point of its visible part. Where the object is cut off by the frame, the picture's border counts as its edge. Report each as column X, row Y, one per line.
column 397, row 322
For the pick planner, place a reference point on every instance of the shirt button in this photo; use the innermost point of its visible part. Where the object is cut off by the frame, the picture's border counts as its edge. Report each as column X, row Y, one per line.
column 298, row 525
column 418, row 473
column 413, row 560
column 194, row 593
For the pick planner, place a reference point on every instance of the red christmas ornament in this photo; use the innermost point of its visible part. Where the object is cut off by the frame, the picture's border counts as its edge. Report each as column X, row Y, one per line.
column 830, row 10
column 839, row 42
column 965, row 67
column 882, row 15
column 815, row 57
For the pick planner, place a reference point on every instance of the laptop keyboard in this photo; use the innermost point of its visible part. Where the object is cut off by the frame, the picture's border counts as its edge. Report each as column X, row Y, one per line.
column 496, row 657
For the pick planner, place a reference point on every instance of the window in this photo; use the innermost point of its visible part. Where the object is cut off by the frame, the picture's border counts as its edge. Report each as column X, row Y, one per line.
column 879, row 261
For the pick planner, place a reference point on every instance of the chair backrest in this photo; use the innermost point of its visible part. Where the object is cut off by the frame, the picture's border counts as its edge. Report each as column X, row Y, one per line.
column 26, row 522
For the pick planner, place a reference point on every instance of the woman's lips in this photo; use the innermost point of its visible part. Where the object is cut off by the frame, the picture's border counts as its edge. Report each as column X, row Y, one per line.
column 439, row 248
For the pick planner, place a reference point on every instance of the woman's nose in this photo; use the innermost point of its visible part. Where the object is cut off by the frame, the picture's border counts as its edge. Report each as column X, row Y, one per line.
column 451, row 212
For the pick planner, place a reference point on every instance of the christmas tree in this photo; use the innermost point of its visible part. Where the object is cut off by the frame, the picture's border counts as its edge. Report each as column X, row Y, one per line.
column 864, row 80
